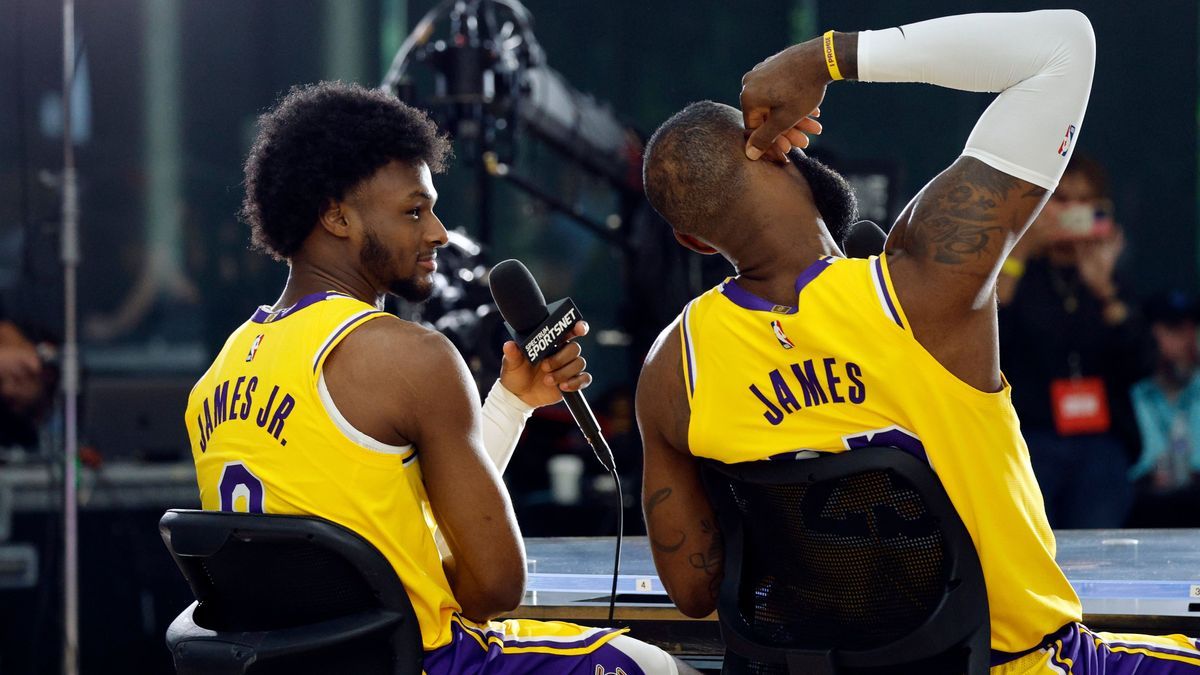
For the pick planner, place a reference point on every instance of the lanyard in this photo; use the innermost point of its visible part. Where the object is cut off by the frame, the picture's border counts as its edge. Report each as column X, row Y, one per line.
column 1067, row 290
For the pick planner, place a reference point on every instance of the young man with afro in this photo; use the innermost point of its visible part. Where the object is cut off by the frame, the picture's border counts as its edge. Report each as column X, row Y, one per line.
column 325, row 405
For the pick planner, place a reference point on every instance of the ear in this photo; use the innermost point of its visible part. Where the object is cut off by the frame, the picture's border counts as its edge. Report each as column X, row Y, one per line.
column 333, row 219
column 688, row 241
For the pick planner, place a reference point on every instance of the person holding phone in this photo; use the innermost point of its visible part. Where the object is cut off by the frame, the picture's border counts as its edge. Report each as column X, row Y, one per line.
column 1072, row 346
column 1167, row 476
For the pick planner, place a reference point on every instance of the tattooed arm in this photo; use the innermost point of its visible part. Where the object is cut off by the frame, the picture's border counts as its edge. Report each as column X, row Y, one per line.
column 946, row 249
column 944, row 254
column 685, row 538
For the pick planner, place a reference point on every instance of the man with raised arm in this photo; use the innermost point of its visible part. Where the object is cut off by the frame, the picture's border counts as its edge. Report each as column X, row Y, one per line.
column 807, row 350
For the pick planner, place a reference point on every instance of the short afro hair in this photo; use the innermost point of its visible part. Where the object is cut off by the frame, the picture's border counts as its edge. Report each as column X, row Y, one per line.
column 693, row 166
column 317, row 144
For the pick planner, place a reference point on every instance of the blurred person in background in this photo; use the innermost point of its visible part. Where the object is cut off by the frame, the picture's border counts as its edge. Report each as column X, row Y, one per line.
column 1167, row 405
column 27, row 383
column 1071, row 346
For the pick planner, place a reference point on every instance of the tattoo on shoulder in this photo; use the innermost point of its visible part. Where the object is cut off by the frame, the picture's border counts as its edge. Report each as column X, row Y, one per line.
column 961, row 216
column 660, row 545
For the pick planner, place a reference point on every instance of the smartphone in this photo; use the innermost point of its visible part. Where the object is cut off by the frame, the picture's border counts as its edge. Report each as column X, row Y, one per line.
column 1084, row 221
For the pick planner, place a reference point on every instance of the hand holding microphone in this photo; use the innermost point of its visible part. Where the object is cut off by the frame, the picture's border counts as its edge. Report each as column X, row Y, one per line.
column 542, row 360
column 543, row 333
column 543, row 384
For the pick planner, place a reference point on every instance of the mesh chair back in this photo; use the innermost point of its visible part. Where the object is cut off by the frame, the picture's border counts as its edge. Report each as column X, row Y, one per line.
column 844, row 554
column 254, row 573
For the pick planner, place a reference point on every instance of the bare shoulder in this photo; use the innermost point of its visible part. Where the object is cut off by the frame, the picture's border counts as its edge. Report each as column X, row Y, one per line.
column 665, row 352
column 391, row 378
column 380, row 350
column 661, row 400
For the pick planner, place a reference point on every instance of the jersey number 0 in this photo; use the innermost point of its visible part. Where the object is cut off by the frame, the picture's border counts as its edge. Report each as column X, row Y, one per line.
column 240, row 487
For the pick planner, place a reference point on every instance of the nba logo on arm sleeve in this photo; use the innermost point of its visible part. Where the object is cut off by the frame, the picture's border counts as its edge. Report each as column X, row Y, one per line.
column 1065, row 146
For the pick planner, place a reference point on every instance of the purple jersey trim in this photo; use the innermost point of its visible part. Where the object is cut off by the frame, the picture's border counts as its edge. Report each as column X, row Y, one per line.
column 747, row 300
column 352, row 321
column 687, row 352
column 814, row 270
column 265, row 315
column 887, row 296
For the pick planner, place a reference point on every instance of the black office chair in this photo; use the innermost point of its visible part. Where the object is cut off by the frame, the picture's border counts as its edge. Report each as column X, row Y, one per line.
column 286, row 594
column 848, row 563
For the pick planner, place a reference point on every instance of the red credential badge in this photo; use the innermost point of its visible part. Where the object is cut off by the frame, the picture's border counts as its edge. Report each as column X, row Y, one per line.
column 1080, row 406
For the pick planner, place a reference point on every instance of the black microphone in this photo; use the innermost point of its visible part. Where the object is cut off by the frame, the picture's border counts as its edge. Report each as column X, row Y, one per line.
column 540, row 331
column 863, row 240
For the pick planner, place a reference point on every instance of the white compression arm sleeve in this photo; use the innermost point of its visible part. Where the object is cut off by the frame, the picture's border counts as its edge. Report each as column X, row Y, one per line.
column 1041, row 62
column 504, row 416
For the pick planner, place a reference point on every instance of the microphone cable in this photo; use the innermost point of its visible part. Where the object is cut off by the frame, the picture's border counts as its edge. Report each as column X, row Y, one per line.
column 612, row 598
column 603, row 452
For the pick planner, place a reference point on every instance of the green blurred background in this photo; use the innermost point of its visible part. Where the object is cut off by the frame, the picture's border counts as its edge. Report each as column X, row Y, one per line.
column 168, row 94
column 173, row 86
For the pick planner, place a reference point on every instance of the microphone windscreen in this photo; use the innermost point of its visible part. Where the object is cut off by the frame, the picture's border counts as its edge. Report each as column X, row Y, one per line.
column 517, row 295
column 863, row 240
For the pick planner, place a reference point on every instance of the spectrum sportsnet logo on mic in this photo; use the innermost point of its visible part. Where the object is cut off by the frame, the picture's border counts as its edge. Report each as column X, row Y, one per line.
column 547, row 338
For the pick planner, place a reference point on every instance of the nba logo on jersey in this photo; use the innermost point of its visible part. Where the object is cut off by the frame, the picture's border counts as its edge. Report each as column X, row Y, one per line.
column 784, row 340
column 1065, row 146
column 254, row 348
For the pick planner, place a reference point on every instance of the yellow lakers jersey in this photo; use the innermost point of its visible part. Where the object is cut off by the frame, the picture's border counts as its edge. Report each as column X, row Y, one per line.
column 841, row 369
column 267, row 438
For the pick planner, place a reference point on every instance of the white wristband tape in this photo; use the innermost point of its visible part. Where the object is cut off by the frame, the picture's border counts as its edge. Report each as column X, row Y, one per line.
column 504, row 415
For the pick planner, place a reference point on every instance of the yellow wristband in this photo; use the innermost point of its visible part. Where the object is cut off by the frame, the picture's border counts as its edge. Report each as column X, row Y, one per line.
column 1013, row 267
column 830, row 58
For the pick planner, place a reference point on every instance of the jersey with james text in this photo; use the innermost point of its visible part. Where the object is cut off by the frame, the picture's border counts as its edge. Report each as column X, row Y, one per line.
column 840, row 370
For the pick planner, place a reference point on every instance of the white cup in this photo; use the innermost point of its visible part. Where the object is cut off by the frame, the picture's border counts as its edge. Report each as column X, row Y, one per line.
column 565, row 471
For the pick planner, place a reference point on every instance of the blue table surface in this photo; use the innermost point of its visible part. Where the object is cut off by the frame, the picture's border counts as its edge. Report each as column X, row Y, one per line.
column 1134, row 572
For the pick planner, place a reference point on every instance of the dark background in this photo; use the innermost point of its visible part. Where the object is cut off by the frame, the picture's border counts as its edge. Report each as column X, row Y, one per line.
column 153, row 191
column 645, row 59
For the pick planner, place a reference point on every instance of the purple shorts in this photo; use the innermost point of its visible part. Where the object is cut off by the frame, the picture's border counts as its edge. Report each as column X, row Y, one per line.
column 1076, row 650
column 552, row 647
